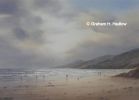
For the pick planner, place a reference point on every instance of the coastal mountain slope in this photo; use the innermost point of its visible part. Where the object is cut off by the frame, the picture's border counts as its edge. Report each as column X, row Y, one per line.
column 129, row 59
column 131, row 74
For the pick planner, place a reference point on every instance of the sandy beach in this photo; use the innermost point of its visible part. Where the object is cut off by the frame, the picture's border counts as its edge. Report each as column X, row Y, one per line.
column 98, row 88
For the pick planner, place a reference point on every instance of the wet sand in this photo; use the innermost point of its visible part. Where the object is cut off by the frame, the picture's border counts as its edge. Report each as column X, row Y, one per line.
column 98, row 88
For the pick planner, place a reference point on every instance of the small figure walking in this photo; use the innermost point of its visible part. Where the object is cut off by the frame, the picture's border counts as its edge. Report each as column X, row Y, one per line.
column 67, row 76
column 36, row 77
column 78, row 78
column 43, row 76
column 99, row 73
column 21, row 77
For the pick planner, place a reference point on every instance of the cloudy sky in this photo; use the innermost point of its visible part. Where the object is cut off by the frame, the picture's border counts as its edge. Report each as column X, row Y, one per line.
column 46, row 33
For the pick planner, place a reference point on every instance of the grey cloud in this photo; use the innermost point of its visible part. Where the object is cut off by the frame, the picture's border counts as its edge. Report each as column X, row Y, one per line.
column 21, row 21
column 28, row 27
column 8, row 6
column 17, row 22
column 52, row 6
column 56, row 8
column 20, row 33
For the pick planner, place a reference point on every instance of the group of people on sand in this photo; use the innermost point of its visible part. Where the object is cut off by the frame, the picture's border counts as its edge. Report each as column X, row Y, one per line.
column 78, row 78
column 67, row 77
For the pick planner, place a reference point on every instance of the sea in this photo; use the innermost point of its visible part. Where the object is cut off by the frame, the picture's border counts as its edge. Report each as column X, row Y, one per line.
column 12, row 77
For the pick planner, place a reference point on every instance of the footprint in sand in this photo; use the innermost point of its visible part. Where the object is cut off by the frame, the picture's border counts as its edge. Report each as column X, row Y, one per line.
column 103, row 98
column 89, row 94
column 65, row 93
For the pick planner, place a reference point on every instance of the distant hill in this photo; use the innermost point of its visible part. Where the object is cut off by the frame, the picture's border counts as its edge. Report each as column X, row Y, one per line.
column 129, row 59
column 131, row 74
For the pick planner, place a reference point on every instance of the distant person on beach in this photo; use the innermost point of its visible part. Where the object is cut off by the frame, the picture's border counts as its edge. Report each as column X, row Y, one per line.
column 21, row 77
column 43, row 76
column 99, row 73
column 78, row 78
column 67, row 76
column 36, row 77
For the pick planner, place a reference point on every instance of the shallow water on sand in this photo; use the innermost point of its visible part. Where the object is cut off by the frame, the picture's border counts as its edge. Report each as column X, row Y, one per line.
column 11, row 77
